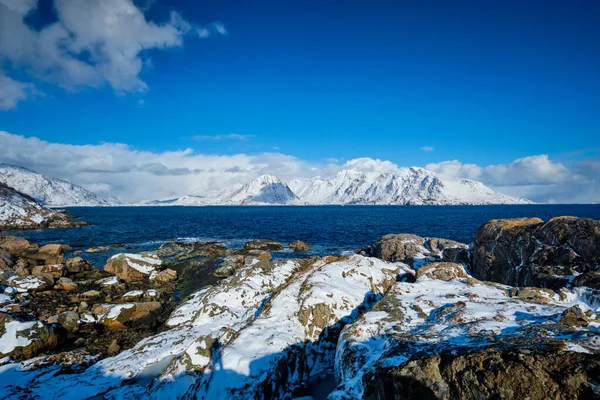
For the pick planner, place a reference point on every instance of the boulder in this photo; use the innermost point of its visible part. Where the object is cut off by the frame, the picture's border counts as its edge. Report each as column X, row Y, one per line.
column 56, row 270
column 135, row 296
column 574, row 317
column 68, row 320
column 77, row 265
column 166, row 276
column 212, row 250
column 263, row 244
column 299, row 245
column 399, row 247
column 489, row 374
column 66, row 284
column 444, row 271
column 22, row 340
column 118, row 316
column 133, row 267
column 50, row 254
column 170, row 249
column 6, row 260
column 99, row 249
column 34, row 283
column 92, row 295
column 229, row 265
column 529, row 252
column 16, row 245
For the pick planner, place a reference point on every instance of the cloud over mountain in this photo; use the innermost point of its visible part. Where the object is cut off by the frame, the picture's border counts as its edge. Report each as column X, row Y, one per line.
column 116, row 169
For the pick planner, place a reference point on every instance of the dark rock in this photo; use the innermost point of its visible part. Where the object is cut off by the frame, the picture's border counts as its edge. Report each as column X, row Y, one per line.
column 229, row 265
column 68, row 320
column 170, row 249
column 263, row 244
column 212, row 250
column 529, row 252
column 509, row 374
column 26, row 339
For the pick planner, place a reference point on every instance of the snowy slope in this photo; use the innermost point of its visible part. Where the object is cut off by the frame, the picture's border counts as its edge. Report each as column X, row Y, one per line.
column 397, row 186
column 18, row 211
column 47, row 190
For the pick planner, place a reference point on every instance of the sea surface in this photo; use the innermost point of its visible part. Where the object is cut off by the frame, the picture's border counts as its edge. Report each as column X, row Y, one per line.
column 329, row 229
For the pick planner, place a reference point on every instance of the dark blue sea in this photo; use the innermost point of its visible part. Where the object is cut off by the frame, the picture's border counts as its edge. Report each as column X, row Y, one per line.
column 329, row 229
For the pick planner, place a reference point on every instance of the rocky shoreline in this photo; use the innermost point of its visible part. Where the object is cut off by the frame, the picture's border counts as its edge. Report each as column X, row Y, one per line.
column 407, row 317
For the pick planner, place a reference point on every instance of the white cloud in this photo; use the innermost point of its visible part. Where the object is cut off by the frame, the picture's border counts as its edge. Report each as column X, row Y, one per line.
column 427, row 148
column 218, row 138
column 93, row 43
column 12, row 92
column 114, row 169
column 536, row 177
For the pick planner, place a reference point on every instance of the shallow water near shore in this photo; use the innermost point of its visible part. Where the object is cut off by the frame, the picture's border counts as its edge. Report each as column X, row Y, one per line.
column 329, row 229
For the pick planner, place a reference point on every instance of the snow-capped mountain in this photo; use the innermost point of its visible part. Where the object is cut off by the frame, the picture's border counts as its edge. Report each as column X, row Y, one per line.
column 47, row 190
column 264, row 190
column 397, row 186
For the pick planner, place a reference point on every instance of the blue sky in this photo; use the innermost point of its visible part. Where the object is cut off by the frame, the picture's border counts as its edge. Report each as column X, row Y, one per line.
column 483, row 82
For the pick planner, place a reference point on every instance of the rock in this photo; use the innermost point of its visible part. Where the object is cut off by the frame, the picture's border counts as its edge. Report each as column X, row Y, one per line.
column 16, row 245
column 574, row 317
column 461, row 339
column 118, row 316
column 66, row 284
column 77, row 253
column 99, row 249
column 444, row 271
column 50, row 254
column 170, row 249
column 529, row 252
column 83, row 306
column 299, row 245
column 77, row 265
column 414, row 250
column 136, row 296
column 92, row 295
column 229, row 265
column 490, row 373
column 210, row 250
column 68, row 320
column 263, row 244
column 536, row 295
column 34, row 283
column 22, row 340
column 6, row 260
column 113, row 348
column 117, row 245
column 56, row 270
column 163, row 277
column 457, row 255
column 112, row 283
column 21, row 267
column 132, row 267
column 589, row 279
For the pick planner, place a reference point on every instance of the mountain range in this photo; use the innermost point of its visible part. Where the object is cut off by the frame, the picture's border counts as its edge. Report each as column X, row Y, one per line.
column 392, row 186
column 49, row 191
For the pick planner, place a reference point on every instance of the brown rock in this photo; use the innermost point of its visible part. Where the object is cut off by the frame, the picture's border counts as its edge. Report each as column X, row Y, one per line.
column 98, row 249
column 34, row 283
column 56, row 270
column 444, row 271
column 163, row 277
column 77, row 265
column 299, row 245
column 33, row 337
column 117, row 316
column 66, row 284
column 574, row 317
column 132, row 267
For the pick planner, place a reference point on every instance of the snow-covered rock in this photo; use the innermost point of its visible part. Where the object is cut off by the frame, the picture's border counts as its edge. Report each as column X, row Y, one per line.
column 20, row 211
column 446, row 319
column 402, row 186
column 131, row 267
column 47, row 190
